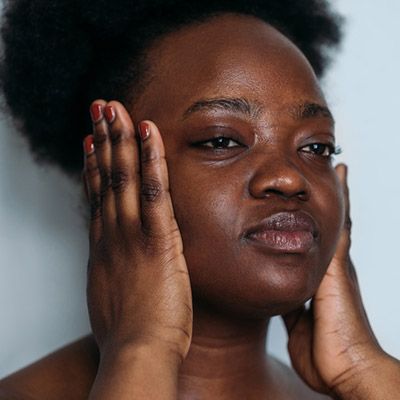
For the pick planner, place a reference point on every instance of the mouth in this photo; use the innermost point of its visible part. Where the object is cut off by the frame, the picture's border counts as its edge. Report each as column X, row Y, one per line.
column 291, row 232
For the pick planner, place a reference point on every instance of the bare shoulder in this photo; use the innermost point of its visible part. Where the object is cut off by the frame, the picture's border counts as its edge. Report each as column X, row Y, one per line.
column 71, row 370
column 294, row 387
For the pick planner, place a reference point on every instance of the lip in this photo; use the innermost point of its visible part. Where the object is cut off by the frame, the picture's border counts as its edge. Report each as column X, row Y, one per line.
column 286, row 232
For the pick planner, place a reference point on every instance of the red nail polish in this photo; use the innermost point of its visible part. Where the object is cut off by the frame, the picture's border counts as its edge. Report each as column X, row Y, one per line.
column 144, row 129
column 109, row 113
column 88, row 145
column 96, row 112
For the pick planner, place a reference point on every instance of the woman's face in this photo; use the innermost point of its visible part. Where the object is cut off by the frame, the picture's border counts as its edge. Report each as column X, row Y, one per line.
column 238, row 78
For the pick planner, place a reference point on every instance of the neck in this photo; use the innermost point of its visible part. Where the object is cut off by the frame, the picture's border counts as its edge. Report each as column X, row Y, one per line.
column 225, row 350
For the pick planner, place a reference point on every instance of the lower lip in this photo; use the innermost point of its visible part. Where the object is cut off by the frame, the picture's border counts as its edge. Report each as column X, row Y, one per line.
column 285, row 241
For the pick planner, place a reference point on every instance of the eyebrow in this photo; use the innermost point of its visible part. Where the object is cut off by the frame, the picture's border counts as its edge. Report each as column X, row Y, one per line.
column 232, row 104
column 310, row 110
column 252, row 109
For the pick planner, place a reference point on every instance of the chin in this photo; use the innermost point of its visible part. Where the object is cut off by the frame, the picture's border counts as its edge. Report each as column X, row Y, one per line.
column 263, row 291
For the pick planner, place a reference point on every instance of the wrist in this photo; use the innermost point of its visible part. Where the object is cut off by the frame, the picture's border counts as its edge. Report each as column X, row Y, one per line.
column 131, row 370
column 140, row 352
column 377, row 378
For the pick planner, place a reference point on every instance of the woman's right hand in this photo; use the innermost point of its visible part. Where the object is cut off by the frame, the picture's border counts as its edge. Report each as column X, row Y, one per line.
column 138, row 284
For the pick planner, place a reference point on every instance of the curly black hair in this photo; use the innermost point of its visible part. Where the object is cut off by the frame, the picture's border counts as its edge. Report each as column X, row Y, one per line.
column 58, row 54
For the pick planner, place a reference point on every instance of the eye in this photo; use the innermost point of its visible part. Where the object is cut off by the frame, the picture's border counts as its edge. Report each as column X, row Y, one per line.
column 321, row 149
column 220, row 143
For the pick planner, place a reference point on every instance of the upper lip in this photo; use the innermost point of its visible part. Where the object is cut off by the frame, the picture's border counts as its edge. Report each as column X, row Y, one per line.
column 285, row 221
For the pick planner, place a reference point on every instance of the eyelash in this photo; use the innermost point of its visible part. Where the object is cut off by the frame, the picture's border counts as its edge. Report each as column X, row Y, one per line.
column 330, row 149
column 219, row 138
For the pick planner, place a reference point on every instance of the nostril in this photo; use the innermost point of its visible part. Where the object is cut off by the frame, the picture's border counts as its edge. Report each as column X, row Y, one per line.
column 282, row 180
column 302, row 195
column 274, row 192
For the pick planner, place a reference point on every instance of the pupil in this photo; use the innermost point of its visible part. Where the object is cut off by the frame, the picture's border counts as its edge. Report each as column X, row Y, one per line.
column 222, row 142
column 318, row 149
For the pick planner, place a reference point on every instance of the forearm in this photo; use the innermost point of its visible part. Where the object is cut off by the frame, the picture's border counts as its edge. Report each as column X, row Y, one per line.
column 380, row 381
column 143, row 373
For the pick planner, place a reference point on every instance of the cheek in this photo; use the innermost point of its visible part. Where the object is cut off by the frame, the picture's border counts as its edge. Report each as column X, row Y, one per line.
column 211, row 214
column 205, row 210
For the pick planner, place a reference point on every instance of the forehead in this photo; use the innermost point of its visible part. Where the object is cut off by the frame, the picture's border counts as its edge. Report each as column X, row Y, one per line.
column 228, row 56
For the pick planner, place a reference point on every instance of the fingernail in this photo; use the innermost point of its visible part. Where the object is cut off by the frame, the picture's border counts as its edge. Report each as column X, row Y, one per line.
column 144, row 130
column 96, row 112
column 109, row 113
column 88, row 145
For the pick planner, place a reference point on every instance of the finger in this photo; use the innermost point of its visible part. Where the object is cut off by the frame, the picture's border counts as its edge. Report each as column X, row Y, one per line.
column 292, row 318
column 343, row 247
column 125, row 175
column 83, row 179
column 102, row 146
column 342, row 172
column 93, row 186
column 156, row 206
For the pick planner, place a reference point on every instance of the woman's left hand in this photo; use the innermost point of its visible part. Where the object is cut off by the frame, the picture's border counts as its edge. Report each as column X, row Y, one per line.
column 331, row 344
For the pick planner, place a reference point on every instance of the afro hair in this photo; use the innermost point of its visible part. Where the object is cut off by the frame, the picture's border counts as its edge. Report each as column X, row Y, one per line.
column 52, row 51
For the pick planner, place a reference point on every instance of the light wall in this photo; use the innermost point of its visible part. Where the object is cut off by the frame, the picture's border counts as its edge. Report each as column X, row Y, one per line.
column 43, row 244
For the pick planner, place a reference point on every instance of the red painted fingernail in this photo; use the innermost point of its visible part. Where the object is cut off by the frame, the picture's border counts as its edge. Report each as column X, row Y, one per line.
column 109, row 113
column 96, row 112
column 88, row 145
column 144, row 129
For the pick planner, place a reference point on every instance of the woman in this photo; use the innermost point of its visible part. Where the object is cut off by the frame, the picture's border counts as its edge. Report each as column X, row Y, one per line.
column 214, row 203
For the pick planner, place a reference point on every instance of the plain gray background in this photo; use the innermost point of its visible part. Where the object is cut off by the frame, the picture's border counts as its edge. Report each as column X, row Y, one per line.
column 43, row 243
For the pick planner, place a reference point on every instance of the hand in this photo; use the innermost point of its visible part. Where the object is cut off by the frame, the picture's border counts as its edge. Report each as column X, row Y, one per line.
column 331, row 345
column 138, row 284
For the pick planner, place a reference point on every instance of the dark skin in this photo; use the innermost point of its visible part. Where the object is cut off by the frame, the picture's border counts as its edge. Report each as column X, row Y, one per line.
column 177, row 294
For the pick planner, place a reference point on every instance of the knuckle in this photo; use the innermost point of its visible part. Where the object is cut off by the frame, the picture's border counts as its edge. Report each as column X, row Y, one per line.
column 100, row 138
column 92, row 171
column 153, row 247
column 150, row 155
column 151, row 190
column 106, row 181
column 164, row 244
column 116, row 137
column 95, row 206
column 119, row 178
column 119, row 135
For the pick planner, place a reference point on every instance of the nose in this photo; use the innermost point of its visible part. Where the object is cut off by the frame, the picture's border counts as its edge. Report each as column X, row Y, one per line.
column 279, row 177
